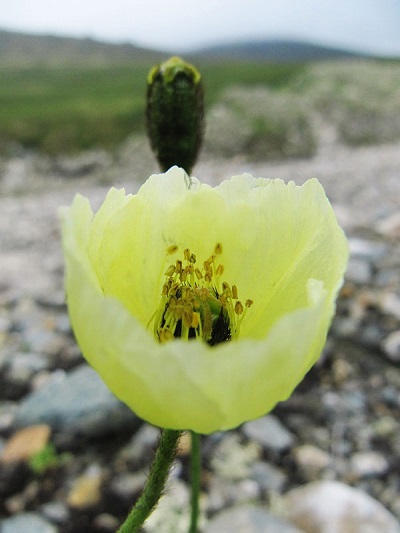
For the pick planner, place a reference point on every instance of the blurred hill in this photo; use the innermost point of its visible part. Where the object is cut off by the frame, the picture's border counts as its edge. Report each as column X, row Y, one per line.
column 48, row 50
column 275, row 50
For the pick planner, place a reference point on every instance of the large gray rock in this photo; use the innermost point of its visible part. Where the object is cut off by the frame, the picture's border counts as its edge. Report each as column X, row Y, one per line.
column 333, row 507
column 77, row 403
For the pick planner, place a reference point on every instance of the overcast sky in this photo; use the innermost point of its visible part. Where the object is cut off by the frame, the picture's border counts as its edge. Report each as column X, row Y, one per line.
column 181, row 25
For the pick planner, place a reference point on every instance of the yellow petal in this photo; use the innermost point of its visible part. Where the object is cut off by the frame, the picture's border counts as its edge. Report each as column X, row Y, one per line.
column 281, row 246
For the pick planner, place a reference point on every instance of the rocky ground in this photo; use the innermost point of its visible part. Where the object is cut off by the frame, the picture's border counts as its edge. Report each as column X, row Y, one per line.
column 73, row 459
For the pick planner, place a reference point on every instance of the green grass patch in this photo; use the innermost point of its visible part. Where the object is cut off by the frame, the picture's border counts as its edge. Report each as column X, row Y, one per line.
column 69, row 109
column 219, row 76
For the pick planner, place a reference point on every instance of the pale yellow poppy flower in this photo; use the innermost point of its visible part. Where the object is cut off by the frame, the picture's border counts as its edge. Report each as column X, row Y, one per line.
column 256, row 263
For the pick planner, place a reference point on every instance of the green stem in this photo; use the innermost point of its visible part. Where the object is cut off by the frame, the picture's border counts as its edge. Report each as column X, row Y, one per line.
column 195, row 477
column 154, row 487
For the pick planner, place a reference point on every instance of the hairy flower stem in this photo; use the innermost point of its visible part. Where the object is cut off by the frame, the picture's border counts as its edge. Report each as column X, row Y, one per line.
column 195, row 477
column 154, row 487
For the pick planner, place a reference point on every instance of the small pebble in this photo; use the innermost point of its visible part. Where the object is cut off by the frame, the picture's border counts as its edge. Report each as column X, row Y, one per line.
column 105, row 523
column 366, row 249
column 390, row 226
column 270, row 433
column 56, row 512
column 390, row 304
column 311, row 461
column 141, row 448
column 52, row 300
column 127, row 486
column 342, row 370
column 7, row 410
column 368, row 464
column 63, row 324
column 5, row 325
column 359, row 271
column 172, row 512
column 268, row 476
column 85, row 491
column 25, row 443
column 390, row 346
column 26, row 522
column 233, row 459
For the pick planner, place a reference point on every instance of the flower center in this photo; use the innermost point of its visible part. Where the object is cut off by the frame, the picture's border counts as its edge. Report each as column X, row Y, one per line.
column 196, row 303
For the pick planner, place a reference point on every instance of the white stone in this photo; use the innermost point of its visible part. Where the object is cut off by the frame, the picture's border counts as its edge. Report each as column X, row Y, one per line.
column 333, row 507
column 391, row 346
column 368, row 464
column 390, row 226
column 390, row 304
column 366, row 249
column 311, row 460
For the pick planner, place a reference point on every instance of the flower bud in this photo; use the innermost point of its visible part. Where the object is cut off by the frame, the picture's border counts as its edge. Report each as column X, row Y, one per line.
column 174, row 113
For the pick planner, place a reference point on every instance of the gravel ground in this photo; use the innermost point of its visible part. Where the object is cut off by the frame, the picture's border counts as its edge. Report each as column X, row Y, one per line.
column 334, row 445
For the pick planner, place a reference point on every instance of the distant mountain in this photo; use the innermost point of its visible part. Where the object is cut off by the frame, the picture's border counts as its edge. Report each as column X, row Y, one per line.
column 274, row 50
column 48, row 50
column 24, row 49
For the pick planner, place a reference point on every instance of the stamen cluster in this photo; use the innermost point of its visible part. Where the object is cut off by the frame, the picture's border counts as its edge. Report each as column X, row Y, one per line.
column 196, row 303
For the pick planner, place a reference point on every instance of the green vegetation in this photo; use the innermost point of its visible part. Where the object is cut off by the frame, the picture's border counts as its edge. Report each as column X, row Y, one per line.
column 68, row 109
column 263, row 123
column 267, row 108
column 48, row 458
column 219, row 76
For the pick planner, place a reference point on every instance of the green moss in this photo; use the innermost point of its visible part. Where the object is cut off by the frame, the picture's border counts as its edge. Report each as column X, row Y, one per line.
column 47, row 458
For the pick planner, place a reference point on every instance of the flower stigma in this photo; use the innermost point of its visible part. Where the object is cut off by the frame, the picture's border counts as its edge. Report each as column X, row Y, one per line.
column 196, row 303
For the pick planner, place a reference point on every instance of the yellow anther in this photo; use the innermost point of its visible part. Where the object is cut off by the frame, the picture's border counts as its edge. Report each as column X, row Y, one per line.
column 172, row 249
column 165, row 335
column 186, row 254
column 187, row 317
column 195, row 320
column 178, row 267
column 218, row 249
column 170, row 271
column 207, row 264
column 220, row 270
column 248, row 303
column 234, row 292
column 198, row 273
column 172, row 303
column 174, row 287
column 165, row 289
column 192, row 258
column 238, row 308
